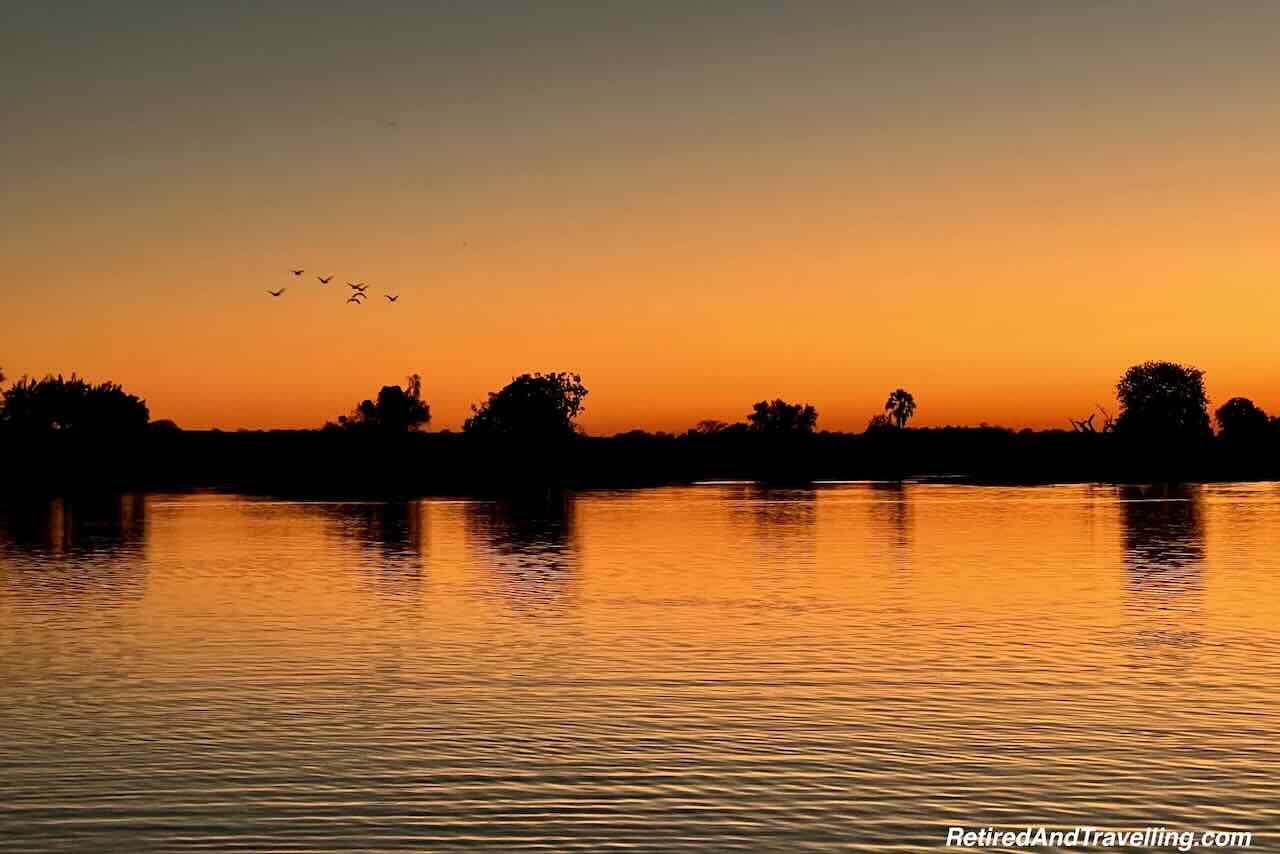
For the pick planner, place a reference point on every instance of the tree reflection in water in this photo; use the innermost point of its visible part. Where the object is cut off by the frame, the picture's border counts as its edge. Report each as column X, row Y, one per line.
column 91, row 549
column 1164, row 553
column 529, row 544
column 394, row 533
column 783, row 521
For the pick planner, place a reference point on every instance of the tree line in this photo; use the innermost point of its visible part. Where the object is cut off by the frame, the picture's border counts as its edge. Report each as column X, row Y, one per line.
column 1158, row 400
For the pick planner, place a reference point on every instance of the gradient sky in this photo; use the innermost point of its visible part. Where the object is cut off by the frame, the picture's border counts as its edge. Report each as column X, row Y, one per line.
column 998, row 206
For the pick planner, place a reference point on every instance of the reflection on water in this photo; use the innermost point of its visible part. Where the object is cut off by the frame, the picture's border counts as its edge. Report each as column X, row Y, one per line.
column 722, row 668
column 1164, row 543
column 528, row 543
column 396, row 529
column 394, row 534
column 1163, row 536
column 82, row 550
column 781, row 520
column 892, row 508
column 93, row 526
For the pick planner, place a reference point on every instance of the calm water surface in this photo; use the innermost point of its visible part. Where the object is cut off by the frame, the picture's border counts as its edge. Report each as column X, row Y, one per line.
column 714, row 668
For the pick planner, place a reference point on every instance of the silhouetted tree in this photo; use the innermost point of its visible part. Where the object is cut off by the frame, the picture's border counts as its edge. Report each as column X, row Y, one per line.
column 397, row 410
column 164, row 426
column 55, row 404
column 1163, row 400
column 530, row 406
column 1240, row 420
column 1108, row 423
column 1086, row 425
column 900, row 407
column 778, row 416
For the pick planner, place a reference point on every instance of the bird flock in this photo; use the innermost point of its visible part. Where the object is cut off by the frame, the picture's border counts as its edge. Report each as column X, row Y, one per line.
column 359, row 290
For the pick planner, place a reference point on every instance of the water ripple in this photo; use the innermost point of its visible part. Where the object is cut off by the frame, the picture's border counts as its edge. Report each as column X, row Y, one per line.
column 723, row 667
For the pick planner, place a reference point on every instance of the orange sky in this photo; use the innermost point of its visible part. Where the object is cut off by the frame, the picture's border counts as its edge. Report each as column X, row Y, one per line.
column 694, row 210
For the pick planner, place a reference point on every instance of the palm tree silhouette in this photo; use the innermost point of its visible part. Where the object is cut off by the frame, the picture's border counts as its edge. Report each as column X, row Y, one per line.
column 900, row 406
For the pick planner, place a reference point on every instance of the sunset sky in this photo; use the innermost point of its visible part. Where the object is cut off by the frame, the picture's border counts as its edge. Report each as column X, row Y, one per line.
column 998, row 206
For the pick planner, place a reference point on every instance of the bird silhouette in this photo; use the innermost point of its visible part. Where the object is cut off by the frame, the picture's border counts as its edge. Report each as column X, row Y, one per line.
column 391, row 298
column 355, row 299
column 276, row 293
column 360, row 287
column 297, row 272
column 324, row 280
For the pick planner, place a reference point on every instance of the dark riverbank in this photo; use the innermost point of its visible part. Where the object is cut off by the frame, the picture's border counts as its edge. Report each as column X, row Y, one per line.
column 332, row 462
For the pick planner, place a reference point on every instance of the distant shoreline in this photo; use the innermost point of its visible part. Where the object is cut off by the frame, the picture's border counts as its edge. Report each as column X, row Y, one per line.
column 333, row 463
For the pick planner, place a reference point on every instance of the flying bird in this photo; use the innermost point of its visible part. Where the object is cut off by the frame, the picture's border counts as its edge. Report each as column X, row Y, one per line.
column 276, row 293
column 324, row 280
column 355, row 299
column 391, row 298
column 359, row 287
column 297, row 272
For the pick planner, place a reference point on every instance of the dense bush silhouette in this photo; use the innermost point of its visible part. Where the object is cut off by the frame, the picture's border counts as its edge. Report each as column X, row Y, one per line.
column 878, row 423
column 1163, row 401
column 531, row 406
column 1240, row 420
column 709, row 427
column 163, row 427
column 779, row 417
column 60, row 405
column 397, row 410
